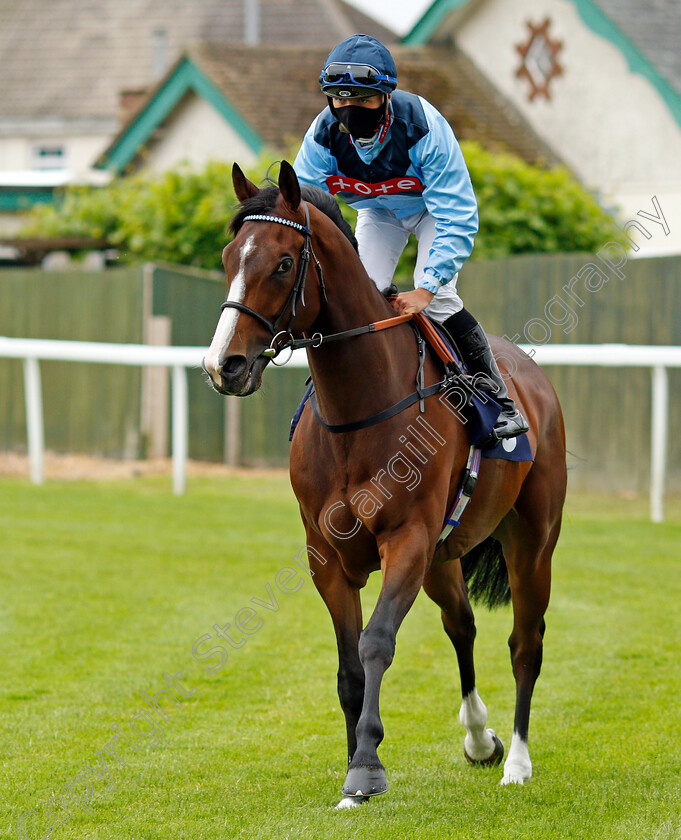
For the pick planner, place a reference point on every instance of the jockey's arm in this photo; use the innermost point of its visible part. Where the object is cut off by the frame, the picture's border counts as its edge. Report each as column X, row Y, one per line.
column 449, row 199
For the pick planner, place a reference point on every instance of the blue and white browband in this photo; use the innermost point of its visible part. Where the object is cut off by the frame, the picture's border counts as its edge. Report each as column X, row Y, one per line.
column 263, row 218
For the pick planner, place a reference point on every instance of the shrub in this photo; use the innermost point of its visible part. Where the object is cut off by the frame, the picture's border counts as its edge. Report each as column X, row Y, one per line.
column 181, row 216
column 531, row 209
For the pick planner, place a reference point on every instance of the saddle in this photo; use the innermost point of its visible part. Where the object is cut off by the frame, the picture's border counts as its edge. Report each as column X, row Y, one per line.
column 435, row 338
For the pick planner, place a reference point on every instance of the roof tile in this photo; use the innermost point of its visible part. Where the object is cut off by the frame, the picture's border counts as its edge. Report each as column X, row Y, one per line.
column 69, row 59
column 276, row 91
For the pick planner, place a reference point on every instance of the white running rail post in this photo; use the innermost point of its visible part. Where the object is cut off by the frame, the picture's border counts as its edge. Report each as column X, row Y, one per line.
column 658, row 441
column 180, row 429
column 34, row 419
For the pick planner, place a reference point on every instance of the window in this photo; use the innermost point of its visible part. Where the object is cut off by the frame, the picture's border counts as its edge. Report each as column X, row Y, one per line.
column 49, row 156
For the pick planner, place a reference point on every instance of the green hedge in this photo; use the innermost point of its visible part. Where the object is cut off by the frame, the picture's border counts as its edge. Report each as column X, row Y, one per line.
column 182, row 216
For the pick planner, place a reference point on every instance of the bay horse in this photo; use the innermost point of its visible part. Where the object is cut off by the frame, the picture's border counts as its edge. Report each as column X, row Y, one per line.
column 365, row 503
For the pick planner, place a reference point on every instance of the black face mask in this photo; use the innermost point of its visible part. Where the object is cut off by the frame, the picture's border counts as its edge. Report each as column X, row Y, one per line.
column 361, row 123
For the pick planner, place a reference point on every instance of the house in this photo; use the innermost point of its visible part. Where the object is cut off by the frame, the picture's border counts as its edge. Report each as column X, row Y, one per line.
column 599, row 81
column 232, row 102
column 72, row 72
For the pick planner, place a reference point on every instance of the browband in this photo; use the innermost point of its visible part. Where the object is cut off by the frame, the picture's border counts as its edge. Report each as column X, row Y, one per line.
column 262, row 218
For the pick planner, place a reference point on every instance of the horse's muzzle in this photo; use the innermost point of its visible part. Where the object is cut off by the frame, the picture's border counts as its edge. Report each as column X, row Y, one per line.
column 234, row 376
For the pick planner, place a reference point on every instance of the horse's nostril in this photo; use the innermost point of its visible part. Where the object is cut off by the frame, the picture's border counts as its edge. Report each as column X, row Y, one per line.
column 233, row 366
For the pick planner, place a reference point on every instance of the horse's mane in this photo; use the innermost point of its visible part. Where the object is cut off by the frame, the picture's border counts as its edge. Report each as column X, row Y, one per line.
column 266, row 199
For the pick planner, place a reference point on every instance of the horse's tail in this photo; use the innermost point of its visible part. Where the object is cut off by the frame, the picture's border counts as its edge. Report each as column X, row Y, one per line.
column 484, row 570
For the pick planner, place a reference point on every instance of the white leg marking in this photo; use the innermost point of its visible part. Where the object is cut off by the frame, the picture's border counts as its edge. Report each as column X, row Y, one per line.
column 351, row 802
column 227, row 324
column 478, row 743
column 517, row 767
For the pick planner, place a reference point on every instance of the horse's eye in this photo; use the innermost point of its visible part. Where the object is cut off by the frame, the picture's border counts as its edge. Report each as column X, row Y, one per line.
column 285, row 265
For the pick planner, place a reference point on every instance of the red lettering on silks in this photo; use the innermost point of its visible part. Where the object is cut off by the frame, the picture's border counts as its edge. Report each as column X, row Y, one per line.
column 341, row 183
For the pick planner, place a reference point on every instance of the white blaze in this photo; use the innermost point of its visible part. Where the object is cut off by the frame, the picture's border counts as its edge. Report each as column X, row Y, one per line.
column 228, row 320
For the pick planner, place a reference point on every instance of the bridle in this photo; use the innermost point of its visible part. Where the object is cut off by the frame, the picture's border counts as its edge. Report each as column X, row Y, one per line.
column 296, row 297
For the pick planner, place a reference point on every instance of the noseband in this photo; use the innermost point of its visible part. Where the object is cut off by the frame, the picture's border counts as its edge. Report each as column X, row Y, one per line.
column 297, row 293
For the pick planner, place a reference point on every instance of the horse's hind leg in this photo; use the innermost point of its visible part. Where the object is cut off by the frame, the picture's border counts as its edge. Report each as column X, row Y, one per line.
column 528, row 556
column 444, row 584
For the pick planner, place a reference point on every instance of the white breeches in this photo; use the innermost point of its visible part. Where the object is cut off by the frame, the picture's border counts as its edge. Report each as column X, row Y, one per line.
column 381, row 237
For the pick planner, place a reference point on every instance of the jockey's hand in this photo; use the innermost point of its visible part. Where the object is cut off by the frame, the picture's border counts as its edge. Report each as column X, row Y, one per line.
column 411, row 303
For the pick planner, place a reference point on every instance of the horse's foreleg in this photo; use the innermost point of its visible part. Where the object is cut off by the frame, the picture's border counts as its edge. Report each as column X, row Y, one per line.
column 343, row 602
column 444, row 584
column 403, row 562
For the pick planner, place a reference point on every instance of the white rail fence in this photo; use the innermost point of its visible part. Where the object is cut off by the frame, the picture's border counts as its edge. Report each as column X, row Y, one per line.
column 178, row 359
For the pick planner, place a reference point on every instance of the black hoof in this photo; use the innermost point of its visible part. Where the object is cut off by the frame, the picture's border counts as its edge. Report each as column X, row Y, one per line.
column 365, row 781
column 494, row 759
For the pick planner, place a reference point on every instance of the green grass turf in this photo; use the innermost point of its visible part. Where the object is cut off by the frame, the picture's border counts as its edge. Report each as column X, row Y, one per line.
column 106, row 586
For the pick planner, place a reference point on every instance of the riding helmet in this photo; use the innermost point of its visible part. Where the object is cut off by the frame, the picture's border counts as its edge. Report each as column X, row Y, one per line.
column 361, row 65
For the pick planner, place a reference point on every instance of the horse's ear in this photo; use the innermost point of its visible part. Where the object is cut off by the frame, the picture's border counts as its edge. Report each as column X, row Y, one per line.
column 289, row 186
column 242, row 186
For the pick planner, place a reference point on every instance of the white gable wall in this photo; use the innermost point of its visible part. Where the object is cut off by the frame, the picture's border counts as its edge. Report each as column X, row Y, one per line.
column 18, row 150
column 610, row 125
column 196, row 134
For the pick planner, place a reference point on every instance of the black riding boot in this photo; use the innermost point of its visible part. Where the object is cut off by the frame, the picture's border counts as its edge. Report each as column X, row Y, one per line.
column 472, row 343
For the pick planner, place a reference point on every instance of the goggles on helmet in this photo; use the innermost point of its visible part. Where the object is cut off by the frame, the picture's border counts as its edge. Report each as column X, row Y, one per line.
column 362, row 75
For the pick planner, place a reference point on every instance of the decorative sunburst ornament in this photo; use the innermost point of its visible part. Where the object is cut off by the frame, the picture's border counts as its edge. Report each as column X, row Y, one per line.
column 539, row 64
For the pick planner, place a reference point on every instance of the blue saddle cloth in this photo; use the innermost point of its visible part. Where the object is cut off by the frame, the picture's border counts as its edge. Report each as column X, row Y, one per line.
column 481, row 414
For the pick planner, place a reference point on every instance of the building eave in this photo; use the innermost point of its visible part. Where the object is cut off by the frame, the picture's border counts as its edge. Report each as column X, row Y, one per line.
column 425, row 27
column 185, row 77
column 17, row 199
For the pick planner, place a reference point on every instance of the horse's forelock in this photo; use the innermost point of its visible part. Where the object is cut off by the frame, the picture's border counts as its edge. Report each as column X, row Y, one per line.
column 259, row 204
column 266, row 201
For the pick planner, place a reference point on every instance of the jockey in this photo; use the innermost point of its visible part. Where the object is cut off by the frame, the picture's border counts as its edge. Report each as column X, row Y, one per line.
column 394, row 157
